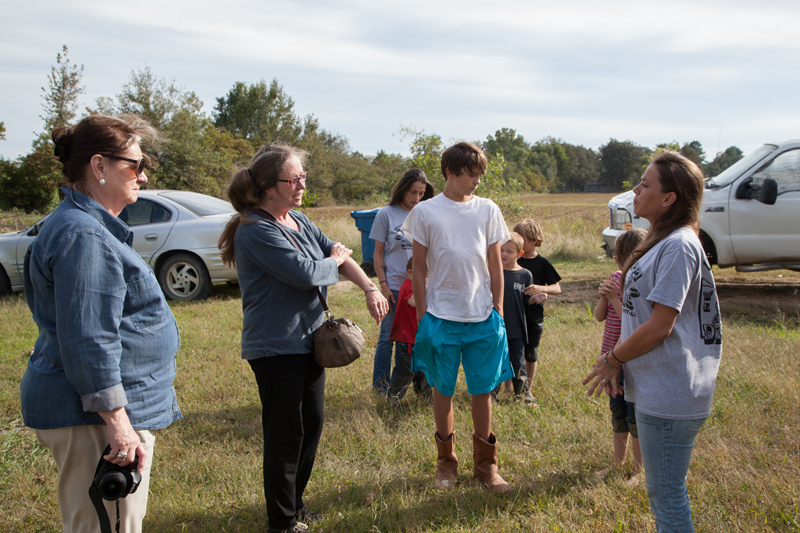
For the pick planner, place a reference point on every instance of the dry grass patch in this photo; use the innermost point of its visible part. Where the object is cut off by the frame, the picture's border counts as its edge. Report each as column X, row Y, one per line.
column 375, row 464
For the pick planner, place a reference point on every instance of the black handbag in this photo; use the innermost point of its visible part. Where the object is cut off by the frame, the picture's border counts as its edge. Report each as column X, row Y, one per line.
column 337, row 341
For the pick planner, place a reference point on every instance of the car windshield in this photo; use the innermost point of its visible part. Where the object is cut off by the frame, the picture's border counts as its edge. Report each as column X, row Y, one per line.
column 730, row 174
column 199, row 204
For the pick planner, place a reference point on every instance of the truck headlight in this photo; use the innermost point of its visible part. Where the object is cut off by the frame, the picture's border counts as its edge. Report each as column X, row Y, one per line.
column 621, row 219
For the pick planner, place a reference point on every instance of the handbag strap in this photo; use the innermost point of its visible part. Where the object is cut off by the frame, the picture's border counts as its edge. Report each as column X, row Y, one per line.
column 257, row 211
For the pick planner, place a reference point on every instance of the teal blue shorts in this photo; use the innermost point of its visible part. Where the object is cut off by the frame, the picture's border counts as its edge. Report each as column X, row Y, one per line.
column 442, row 345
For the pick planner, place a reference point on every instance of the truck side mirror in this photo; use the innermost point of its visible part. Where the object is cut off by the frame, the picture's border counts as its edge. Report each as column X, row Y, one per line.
column 769, row 192
column 745, row 190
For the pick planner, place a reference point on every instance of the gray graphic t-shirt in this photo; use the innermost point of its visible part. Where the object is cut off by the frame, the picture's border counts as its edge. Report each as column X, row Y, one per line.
column 676, row 379
column 398, row 249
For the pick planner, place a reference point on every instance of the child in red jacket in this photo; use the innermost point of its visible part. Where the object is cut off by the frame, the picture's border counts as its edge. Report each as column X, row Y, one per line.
column 404, row 332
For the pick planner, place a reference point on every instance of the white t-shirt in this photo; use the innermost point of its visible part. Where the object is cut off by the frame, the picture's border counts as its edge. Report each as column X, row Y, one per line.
column 457, row 236
column 675, row 380
column 397, row 249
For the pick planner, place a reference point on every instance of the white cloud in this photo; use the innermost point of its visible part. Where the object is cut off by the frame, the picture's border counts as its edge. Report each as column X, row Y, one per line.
column 581, row 70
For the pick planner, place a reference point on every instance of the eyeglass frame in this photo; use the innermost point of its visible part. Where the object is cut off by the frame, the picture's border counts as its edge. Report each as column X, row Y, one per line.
column 140, row 163
column 297, row 179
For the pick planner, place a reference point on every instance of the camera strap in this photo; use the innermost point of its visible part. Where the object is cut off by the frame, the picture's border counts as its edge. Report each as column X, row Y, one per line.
column 102, row 514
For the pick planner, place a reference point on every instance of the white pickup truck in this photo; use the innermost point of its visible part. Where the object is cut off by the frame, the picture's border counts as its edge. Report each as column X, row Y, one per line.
column 750, row 217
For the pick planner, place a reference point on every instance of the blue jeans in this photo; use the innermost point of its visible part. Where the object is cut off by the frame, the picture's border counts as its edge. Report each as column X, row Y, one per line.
column 666, row 452
column 381, row 372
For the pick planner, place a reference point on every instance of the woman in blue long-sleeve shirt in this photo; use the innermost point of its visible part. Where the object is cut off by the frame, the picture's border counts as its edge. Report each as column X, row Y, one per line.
column 102, row 369
column 281, row 311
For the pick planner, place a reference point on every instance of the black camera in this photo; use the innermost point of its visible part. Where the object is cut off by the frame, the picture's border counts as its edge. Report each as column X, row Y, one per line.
column 114, row 481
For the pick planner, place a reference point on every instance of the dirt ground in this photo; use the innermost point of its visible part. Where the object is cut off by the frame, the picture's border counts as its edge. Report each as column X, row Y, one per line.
column 756, row 298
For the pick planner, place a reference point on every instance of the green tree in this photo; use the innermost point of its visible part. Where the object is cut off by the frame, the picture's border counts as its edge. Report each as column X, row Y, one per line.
column 507, row 143
column 694, row 151
column 31, row 182
column 152, row 97
column 583, row 167
column 622, row 161
column 722, row 161
column 554, row 165
column 193, row 154
column 259, row 113
column 62, row 92
column 2, row 131
column 426, row 153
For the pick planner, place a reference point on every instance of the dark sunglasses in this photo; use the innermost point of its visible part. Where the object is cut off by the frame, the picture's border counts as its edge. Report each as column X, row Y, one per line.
column 297, row 179
column 138, row 162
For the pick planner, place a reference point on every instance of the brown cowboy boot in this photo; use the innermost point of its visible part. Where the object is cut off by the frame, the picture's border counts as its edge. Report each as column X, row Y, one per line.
column 484, row 457
column 446, row 462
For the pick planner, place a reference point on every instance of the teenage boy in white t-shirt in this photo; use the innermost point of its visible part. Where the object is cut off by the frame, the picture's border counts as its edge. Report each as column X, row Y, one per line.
column 456, row 245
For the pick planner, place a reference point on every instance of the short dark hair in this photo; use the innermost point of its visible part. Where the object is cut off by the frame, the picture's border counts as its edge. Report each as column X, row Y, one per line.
column 411, row 177
column 461, row 156
column 98, row 134
column 410, row 263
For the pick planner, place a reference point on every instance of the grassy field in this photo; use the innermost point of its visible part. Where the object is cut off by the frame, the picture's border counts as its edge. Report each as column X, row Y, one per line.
column 375, row 465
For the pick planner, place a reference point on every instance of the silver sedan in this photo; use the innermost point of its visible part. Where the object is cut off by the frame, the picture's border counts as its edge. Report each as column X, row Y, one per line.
column 175, row 232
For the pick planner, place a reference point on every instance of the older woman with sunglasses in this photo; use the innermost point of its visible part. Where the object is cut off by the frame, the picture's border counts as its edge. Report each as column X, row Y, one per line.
column 279, row 284
column 102, row 370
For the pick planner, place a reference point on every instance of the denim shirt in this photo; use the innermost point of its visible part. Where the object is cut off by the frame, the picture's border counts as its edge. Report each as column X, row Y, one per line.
column 107, row 338
column 279, row 285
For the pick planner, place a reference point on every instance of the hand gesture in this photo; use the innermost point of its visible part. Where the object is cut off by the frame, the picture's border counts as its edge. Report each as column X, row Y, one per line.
column 340, row 252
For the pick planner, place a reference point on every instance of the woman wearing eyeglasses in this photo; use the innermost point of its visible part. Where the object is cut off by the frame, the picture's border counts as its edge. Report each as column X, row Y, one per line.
column 281, row 311
column 103, row 367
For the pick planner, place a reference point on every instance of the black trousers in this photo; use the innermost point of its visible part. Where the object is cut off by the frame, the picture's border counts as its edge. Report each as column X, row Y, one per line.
column 292, row 390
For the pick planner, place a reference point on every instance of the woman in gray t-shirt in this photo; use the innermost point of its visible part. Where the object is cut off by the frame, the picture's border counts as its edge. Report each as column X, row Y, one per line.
column 671, row 340
column 392, row 251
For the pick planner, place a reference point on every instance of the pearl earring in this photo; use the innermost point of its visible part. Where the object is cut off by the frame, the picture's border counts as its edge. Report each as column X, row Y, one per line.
column 102, row 181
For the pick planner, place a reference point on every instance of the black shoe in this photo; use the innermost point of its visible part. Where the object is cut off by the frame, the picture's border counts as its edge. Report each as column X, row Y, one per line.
column 304, row 515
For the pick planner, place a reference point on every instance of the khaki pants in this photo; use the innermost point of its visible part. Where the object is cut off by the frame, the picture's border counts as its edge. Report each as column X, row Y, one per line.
column 77, row 450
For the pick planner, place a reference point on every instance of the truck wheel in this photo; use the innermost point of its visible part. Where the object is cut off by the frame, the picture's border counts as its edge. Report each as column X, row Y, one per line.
column 184, row 277
column 709, row 248
column 5, row 283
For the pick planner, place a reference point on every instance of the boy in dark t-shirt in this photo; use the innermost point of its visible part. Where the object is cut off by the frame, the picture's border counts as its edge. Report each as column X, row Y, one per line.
column 516, row 279
column 545, row 283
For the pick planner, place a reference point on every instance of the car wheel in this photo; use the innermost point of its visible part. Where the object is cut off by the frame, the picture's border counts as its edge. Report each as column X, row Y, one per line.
column 5, row 283
column 184, row 277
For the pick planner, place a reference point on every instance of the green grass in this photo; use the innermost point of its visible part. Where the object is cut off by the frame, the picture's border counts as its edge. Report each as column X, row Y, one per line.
column 374, row 470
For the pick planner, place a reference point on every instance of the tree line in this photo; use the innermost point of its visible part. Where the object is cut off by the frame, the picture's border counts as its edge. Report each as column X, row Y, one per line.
column 199, row 152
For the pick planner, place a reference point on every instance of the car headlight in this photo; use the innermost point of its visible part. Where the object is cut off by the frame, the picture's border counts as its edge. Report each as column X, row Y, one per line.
column 621, row 219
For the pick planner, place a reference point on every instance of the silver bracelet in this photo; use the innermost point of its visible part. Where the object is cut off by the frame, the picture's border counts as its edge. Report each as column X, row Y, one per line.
column 605, row 360
column 373, row 288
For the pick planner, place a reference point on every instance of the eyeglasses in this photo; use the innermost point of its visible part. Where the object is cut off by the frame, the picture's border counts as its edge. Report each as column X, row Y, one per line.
column 297, row 179
column 139, row 162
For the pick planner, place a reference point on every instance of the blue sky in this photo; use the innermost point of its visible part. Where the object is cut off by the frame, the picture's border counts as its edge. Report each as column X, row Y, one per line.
column 720, row 72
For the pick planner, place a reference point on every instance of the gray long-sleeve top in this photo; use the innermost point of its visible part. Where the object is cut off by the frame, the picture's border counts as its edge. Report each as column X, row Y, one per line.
column 278, row 284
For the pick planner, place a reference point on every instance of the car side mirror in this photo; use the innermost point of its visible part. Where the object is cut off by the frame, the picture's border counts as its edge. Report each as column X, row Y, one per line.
column 769, row 192
column 34, row 231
